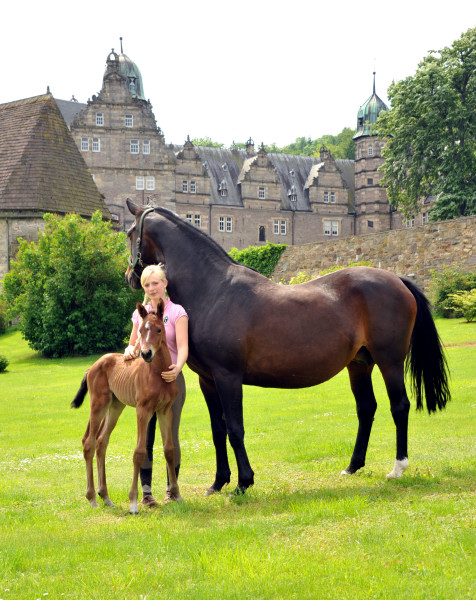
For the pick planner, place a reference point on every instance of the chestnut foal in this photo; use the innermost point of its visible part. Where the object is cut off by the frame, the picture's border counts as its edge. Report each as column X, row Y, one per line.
column 114, row 383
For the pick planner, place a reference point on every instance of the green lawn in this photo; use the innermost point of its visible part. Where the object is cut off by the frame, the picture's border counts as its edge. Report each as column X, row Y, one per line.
column 302, row 532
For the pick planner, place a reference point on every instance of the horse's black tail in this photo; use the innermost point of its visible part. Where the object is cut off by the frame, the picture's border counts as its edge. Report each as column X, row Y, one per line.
column 83, row 390
column 426, row 362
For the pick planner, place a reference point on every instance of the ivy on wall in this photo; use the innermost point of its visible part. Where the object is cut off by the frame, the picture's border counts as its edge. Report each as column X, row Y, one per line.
column 261, row 258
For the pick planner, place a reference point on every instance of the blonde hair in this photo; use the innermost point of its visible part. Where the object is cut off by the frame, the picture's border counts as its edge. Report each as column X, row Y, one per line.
column 150, row 270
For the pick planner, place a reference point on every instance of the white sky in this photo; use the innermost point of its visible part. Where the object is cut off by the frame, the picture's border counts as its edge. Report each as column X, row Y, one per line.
column 265, row 69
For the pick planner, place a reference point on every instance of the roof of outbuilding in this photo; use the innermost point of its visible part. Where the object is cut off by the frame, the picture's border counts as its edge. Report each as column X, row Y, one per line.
column 41, row 168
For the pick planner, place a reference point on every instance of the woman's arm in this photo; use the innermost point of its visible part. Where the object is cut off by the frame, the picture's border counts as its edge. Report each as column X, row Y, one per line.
column 131, row 350
column 181, row 336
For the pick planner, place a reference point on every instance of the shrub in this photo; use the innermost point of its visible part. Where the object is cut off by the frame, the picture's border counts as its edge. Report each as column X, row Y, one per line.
column 3, row 317
column 466, row 303
column 450, row 280
column 3, row 363
column 261, row 258
column 69, row 288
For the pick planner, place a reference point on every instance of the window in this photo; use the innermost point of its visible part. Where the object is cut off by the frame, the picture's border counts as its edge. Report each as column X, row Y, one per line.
column 96, row 145
column 370, row 150
column 198, row 221
column 333, row 197
column 410, row 222
column 134, row 146
column 223, row 189
column 225, row 224
column 331, row 227
column 193, row 187
column 188, row 217
column 279, row 227
column 424, row 218
column 326, row 196
column 84, row 144
column 150, row 182
column 146, row 147
column 293, row 193
column 370, row 181
column 262, row 234
column 99, row 119
column 185, row 186
column 128, row 120
column 261, row 193
column 140, row 182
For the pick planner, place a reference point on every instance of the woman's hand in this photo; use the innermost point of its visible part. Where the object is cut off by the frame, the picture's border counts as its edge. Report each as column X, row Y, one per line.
column 171, row 374
column 130, row 352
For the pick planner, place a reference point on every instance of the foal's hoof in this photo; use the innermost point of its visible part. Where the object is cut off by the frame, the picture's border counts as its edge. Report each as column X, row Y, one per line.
column 170, row 497
column 134, row 509
column 398, row 469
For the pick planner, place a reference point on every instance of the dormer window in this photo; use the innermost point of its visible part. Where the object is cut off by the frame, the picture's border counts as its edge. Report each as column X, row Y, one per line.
column 223, row 189
column 293, row 194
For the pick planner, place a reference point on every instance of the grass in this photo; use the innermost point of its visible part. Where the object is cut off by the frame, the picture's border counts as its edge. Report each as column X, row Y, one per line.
column 301, row 532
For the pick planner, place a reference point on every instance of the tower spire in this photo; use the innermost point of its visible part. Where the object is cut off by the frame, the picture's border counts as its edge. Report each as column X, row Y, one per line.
column 374, row 78
column 121, row 45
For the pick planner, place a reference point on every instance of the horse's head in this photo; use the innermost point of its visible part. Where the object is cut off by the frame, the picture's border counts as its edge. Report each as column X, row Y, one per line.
column 151, row 330
column 143, row 250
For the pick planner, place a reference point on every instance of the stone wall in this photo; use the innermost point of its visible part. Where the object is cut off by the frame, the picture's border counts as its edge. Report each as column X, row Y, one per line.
column 413, row 252
column 12, row 228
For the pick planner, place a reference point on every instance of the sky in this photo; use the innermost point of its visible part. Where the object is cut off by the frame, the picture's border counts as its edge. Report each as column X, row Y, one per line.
column 273, row 71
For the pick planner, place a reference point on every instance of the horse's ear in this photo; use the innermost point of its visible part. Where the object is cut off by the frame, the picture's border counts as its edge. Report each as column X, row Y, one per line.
column 133, row 208
column 160, row 308
column 141, row 310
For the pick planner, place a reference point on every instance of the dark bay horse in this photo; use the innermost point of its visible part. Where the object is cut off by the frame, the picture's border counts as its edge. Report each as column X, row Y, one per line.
column 114, row 383
column 246, row 329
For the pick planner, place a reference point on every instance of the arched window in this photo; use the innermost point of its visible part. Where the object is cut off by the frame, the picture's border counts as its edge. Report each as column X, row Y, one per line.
column 262, row 234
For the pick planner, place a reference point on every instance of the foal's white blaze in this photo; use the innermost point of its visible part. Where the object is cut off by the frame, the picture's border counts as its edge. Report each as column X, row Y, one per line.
column 398, row 469
column 147, row 328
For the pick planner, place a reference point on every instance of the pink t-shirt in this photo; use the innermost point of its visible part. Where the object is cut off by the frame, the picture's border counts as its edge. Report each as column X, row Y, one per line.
column 172, row 314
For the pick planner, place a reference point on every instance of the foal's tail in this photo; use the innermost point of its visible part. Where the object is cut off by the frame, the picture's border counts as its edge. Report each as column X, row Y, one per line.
column 83, row 390
column 426, row 362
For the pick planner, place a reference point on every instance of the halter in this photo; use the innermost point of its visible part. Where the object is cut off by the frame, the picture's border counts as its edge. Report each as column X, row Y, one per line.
column 138, row 257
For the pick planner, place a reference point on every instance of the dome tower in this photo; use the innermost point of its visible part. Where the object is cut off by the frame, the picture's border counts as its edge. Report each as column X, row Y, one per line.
column 372, row 210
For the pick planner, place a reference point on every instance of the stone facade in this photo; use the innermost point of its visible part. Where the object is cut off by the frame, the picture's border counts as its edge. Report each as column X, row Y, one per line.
column 412, row 252
column 239, row 197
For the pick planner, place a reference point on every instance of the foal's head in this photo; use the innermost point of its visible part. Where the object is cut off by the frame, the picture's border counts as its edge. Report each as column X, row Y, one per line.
column 151, row 330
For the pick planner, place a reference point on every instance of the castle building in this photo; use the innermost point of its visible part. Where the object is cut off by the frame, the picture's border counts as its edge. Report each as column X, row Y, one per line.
column 239, row 197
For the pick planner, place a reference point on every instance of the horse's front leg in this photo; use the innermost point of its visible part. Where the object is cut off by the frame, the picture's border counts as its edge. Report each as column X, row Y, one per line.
column 143, row 417
column 230, row 389
column 107, row 426
column 165, row 424
column 218, row 424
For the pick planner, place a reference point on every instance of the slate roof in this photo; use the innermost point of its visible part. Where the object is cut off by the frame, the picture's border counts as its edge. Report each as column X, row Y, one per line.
column 69, row 109
column 41, row 168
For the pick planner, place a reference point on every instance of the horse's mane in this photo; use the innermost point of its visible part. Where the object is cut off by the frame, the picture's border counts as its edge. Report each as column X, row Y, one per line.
column 193, row 232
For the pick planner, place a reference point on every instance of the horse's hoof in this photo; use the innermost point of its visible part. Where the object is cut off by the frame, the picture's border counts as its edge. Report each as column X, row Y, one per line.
column 93, row 503
column 399, row 468
column 346, row 472
column 211, row 490
column 134, row 509
column 170, row 497
column 108, row 502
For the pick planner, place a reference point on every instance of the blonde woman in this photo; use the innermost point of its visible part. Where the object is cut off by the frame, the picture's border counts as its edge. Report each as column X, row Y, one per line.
column 154, row 283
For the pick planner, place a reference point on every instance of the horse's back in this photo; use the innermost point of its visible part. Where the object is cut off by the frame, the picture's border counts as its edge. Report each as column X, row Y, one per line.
column 120, row 375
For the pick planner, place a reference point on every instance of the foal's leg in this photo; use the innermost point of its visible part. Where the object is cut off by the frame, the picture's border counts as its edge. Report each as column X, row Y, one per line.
column 143, row 417
column 165, row 424
column 361, row 383
column 99, row 406
column 400, row 406
column 109, row 422
column 218, row 424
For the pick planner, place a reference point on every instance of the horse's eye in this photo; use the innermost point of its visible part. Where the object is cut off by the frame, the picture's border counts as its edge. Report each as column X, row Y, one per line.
column 159, row 330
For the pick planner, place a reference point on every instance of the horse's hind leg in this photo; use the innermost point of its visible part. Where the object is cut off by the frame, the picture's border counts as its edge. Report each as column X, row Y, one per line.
column 102, row 441
column 99, row 405
column 360, row 374
column 400, row 407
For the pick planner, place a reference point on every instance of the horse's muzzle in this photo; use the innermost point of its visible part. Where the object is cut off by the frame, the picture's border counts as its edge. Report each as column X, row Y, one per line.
column 148, row 355
column 132, row 279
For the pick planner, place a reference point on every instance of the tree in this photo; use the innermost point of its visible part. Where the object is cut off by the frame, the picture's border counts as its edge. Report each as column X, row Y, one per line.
column 69, row 288
column 431, row 133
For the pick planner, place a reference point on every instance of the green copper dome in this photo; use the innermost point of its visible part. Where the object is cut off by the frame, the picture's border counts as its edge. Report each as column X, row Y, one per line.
column 128, row 69
column 134, row 79
column 368, row 113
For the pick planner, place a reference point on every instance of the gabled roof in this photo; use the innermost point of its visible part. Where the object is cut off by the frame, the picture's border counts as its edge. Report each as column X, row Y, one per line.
column 41, row 168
